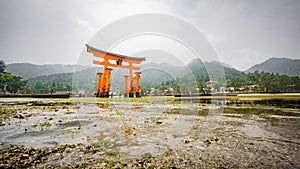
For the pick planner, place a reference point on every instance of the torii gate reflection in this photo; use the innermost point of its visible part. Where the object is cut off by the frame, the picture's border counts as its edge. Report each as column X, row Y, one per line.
column 104, row 78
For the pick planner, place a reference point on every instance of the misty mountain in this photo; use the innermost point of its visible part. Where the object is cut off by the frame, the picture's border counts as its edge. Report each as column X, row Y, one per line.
column 152, row 75
column 286, row 66
column 27, row 70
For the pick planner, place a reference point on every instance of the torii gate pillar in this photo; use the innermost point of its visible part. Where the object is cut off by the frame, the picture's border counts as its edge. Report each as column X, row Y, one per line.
column 103, row 83
column 137, row 87
column 99, row 81
column 126, row 86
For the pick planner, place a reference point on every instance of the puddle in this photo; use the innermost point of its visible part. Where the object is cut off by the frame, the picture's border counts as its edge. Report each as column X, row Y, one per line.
column 77, row 123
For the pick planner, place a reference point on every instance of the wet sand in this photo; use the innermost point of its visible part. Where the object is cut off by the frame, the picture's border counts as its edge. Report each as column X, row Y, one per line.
column 130, row 135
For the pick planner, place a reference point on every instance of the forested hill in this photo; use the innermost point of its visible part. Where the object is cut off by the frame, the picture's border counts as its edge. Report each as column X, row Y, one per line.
column 42, row 78
column 27, row 70
column 274, row 65
column 285, row 66
column 153, row 74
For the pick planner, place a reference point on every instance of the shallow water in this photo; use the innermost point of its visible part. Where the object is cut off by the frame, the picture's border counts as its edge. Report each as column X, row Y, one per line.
column 261, row 135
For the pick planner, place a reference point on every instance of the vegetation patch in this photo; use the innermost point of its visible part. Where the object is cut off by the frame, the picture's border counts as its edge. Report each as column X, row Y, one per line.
column 203, row 112
column 69, row 112
column 172, row 111
column 71, row 132
column 157, row 121
column 6, row 113
column 147, row 155
column 114, row 154
column 17, row 156
column 119, row 113
column 100, row 145
column 42, row 124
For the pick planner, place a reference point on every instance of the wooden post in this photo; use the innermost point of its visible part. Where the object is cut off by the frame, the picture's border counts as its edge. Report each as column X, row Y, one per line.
column 130, row 81
column 104, row 79
column 137, row 87
column 107, row 82
column 103, row 82
column 126, row 86
column 99, row 88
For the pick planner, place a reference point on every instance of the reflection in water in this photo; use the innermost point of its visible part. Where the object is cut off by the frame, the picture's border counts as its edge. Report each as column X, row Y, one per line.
column 100, row 137
column 137, row 107
column 102, row 105
column 278, row 102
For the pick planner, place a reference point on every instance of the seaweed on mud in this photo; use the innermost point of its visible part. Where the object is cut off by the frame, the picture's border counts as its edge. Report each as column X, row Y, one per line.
column 6, row 113
column 15, row 156
column 203, row 112
column 13, row 110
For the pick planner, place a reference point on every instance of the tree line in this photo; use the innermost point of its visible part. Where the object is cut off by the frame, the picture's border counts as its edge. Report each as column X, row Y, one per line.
column 15, row 84
column 235, row 81
column 265, row 82
column 10, row 83
column 242, row 82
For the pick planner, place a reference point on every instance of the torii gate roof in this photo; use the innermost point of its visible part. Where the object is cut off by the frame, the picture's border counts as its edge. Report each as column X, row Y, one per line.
column 116, row 55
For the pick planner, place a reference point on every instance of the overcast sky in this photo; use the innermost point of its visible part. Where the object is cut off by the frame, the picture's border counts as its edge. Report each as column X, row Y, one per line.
column 243, row 33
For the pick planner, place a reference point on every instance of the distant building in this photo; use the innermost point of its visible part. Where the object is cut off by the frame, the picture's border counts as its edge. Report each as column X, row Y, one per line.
column 253, row 88
column 230, row 89
column 62, row 92
column 211, row 83
column 222, row 89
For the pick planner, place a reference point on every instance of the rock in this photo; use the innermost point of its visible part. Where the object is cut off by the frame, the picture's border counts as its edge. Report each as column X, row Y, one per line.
column 19, row 116
column 186, row 141
column 25, row 156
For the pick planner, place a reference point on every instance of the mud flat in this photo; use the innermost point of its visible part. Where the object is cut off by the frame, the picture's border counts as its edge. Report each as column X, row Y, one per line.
column 133, row 135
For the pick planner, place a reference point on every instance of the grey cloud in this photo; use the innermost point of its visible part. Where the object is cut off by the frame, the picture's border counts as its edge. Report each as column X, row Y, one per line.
column 268, row 27
column 56, row 31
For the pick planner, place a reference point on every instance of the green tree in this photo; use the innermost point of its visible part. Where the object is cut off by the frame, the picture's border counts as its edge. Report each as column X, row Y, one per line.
column 11, row 83
column 235, row 82
column 17, row 84
column 41, row 88
column 2, row 66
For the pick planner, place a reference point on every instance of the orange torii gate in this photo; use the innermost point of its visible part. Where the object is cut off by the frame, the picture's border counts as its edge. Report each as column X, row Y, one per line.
column 104, row 78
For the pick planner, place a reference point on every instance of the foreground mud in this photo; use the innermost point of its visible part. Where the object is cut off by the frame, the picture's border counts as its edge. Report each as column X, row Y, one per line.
column 128, row 135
